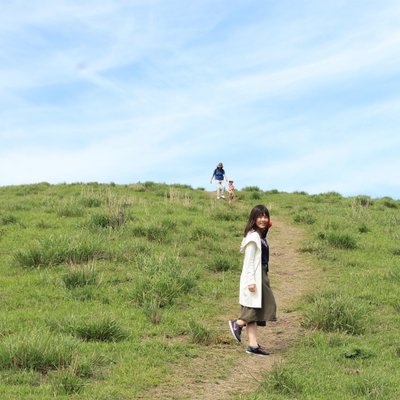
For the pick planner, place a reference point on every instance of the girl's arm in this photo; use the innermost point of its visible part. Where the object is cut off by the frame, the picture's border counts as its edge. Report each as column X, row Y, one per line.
column 250, row 262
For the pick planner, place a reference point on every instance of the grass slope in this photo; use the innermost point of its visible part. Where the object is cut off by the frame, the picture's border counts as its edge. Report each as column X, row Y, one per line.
column 105, row 289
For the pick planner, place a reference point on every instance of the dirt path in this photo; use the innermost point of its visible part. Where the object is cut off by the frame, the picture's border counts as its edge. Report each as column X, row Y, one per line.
column 226, row 369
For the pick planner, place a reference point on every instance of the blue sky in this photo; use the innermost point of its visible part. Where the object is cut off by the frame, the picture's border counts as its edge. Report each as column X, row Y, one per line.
column 290, row 95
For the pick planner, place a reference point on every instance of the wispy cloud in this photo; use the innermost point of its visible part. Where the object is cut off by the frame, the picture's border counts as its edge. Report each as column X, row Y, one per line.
column 293, row 95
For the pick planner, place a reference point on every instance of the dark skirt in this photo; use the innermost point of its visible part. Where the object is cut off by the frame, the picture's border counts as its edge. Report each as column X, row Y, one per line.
column 267, row 312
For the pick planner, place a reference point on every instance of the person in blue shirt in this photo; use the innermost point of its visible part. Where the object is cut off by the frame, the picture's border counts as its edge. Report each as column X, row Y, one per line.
column 219, row 176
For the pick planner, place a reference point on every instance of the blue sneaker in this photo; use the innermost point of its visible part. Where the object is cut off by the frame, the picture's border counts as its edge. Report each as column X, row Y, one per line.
column 258, row 351
column 236, row 329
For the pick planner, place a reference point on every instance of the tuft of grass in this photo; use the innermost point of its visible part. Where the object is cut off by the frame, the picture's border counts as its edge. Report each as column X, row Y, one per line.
column 154, row 233
column 396, row 305
column 9, row 219
column 357, row 353
column 227, row 215
column 108, row 220
column 311, row 247
column 334, row 312
column 276, row 191
column 38, row 351
column 283, row 380
column 200, row 233
column 199, row 333
column 364, row 201
column 102, row 330
column 341, row 240
column 151, row 308
column 81, row 276
column 95, row 329
column 304, row 218
column 370, row 387
column 84, row 293
column 60, row 250
column 44, row 225
column 91, row 202
column 251, row 189
column 138, row 231
column 220, row 263
column 168, row 224
column 255, row 195
column 67, row 382
column 389, row 203
column 363, row 228
column 157, row 233
column 69, row 210
column 161, row 282
column 393, row 275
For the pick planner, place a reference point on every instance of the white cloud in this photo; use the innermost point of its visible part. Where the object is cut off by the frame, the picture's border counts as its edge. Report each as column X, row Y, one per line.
column 301, row 96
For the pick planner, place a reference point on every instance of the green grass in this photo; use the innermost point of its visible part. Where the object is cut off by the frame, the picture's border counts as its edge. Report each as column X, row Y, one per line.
column 200, row 333
column 81, row 276
column 332, row 312
column 350, row 349
column 89, row 328
column 109, row 290
column 63, row 249
column 38, row 351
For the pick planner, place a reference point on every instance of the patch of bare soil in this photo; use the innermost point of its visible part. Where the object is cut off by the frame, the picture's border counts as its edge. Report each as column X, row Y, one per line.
column 226, row 369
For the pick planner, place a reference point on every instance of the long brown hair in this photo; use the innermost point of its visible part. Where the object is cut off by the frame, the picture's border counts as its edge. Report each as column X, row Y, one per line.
column 256, row 212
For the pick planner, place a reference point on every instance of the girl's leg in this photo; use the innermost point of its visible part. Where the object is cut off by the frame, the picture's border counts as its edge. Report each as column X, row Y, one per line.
column 252, row 333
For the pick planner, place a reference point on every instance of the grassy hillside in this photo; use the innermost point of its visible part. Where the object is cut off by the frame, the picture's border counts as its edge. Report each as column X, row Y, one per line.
column 351, row 349
column 105, row 289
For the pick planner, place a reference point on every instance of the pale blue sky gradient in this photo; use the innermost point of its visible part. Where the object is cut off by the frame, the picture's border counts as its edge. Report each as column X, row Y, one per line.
column 289, row 95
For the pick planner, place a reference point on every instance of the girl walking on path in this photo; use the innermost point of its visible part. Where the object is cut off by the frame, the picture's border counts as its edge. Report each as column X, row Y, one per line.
column 255, row 295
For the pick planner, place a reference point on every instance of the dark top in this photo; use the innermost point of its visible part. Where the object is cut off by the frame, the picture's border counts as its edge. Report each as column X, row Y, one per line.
column 264, row 253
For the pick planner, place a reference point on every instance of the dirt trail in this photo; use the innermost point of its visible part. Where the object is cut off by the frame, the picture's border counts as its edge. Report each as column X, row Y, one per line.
column 215, row 376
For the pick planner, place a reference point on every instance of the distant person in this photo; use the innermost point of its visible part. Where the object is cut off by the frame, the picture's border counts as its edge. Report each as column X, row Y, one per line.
column 219, row 176
column 231, row 190
column 255, row 295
